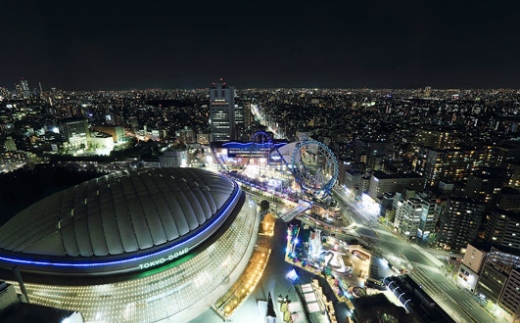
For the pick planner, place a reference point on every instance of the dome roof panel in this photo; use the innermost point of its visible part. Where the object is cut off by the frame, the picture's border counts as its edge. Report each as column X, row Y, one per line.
column 119, row 213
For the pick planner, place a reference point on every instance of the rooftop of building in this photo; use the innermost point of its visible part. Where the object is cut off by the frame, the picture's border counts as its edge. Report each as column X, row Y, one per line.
column 120, row 216
column 382, row 175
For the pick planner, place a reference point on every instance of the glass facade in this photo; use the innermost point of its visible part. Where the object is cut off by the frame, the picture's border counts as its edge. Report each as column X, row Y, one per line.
column 163, row 294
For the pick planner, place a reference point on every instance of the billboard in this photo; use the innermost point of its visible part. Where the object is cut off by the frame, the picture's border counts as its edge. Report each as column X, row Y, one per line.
column 250, row 149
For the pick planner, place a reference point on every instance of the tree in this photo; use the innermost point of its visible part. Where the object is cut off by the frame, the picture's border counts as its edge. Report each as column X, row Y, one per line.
column 264, row 208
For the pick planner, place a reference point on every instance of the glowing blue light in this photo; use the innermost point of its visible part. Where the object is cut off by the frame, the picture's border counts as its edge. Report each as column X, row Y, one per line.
column 292, row 275
column 235, row 197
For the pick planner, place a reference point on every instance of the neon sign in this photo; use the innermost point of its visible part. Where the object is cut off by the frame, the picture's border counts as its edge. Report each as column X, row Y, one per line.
column 160, row 261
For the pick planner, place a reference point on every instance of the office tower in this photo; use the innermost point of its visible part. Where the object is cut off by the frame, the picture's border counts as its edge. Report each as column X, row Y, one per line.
column 26, row 92
column 222, row 112
column 41, row 89
column 502, row 154
column 503, row 228
column 470, row 268
column 459, row 222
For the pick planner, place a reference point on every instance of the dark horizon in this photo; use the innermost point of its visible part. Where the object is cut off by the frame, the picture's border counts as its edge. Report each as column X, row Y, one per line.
column 294, row 44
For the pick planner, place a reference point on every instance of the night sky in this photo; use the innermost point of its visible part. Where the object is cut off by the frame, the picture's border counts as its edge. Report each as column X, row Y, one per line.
column 115, row 45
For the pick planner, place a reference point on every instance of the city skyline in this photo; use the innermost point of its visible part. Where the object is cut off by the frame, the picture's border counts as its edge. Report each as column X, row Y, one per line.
column 409, row 181
column 119, row 46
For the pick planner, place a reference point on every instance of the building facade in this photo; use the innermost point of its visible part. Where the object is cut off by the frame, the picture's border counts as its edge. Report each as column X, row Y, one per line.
column 381, row 183
column 222, row 112
column 408, row 217
column 459, row 222
column 503, row 228
column 486, row 183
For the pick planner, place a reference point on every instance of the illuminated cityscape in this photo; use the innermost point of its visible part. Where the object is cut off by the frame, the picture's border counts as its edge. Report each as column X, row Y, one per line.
column 372, row 212
column 259, row 162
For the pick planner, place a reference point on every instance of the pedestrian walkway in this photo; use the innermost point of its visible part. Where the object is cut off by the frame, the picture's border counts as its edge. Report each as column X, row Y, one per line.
column 299, row 209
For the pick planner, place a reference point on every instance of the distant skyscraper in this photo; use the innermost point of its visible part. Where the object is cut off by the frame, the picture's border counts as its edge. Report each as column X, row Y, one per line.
column 222, row 112
column 26, row 92
column 427, row 91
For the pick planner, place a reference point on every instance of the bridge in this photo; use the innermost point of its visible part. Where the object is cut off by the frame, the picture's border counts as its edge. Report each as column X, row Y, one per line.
column 298, row 209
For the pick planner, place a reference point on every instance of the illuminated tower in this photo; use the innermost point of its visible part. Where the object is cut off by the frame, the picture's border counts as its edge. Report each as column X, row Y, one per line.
column 222, row 112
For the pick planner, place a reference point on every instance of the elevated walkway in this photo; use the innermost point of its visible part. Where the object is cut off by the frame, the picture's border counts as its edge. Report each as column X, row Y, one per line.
column 300, row 208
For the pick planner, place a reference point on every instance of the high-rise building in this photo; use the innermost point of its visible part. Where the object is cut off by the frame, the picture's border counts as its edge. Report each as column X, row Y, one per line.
column 222, row 112
column 437, row 138
column 454, row 165
column 486, row 183
column 510, row 296
column 503, row 229
column 408, row 216
column 431, row 209
column 26, row 92
column 371, row 151
column 459, row 222
column 501, row 154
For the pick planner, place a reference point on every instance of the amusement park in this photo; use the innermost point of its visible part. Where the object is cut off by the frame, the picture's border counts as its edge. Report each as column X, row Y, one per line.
column 304, row 171
column 297, row 179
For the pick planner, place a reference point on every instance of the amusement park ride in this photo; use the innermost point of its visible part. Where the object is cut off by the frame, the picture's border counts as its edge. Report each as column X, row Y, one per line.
column 312, row 165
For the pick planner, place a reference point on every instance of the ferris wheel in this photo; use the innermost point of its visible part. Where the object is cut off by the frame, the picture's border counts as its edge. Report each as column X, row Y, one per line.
column 314, row 167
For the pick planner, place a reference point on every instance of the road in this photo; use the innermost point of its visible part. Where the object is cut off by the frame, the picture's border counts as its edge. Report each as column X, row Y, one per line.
column 461, row 306
column 427, row 264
